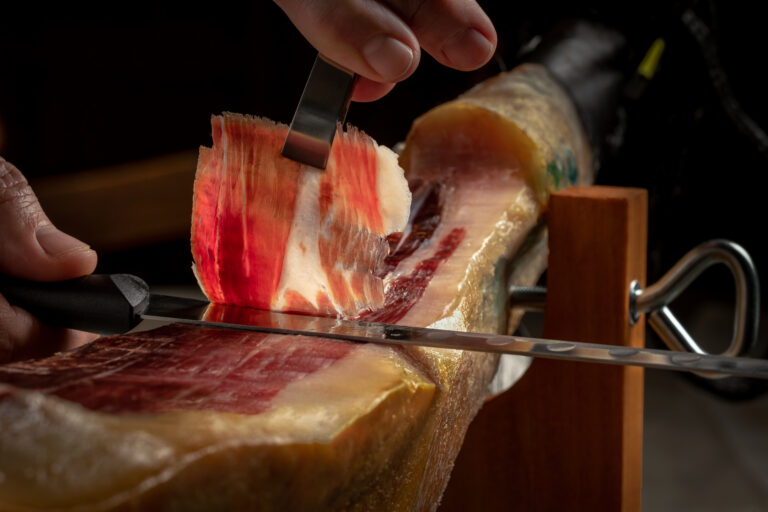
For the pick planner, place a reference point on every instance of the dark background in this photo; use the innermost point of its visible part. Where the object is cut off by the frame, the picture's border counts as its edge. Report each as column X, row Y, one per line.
column 85, row 89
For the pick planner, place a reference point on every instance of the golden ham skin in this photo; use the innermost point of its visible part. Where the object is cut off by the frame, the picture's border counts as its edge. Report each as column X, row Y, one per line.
column 380, row 429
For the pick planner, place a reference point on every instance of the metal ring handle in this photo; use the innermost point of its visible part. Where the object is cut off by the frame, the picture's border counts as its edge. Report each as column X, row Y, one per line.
column 656, row 298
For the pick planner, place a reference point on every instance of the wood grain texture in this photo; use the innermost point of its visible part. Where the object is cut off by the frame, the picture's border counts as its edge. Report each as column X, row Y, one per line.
column 568, row 436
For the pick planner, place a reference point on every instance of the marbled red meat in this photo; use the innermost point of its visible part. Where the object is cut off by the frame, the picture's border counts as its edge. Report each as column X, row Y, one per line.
column 405, row 291
column 178, row 368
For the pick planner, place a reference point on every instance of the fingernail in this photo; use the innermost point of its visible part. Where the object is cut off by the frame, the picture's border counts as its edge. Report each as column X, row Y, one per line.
column 389, row 57
column 468, row 50
column 56, row 243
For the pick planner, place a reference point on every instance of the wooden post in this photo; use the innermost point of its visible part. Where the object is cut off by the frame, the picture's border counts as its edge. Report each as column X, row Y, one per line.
column 568, row 436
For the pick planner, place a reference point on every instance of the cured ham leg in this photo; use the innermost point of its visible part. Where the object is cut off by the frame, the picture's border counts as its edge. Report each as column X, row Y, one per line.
column 201, row 419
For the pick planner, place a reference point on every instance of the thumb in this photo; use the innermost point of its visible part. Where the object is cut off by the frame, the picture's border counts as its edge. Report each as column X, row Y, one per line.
column 30, row 246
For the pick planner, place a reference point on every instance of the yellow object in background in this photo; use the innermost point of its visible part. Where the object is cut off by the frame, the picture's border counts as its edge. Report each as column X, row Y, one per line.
column 651, row 60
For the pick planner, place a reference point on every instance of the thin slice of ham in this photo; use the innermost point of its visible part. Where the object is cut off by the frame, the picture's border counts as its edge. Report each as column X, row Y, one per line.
column 271, row 233
column 200, row 419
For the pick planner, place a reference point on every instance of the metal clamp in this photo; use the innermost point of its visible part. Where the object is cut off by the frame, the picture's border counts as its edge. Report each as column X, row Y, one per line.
column 654, row 299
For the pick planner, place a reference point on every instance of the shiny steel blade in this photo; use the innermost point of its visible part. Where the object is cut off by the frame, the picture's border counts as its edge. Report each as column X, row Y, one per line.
column 323, row 104
column 190, row 311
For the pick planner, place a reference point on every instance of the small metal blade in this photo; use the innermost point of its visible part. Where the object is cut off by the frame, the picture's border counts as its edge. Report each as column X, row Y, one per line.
column 323, row 105
column 175, row 309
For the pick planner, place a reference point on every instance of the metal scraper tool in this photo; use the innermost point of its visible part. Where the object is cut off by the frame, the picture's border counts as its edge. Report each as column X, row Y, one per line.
column 323, row 105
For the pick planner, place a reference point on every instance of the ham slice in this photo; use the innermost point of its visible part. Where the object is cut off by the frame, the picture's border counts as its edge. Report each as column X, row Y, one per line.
column 202, row 419
column 271, row 233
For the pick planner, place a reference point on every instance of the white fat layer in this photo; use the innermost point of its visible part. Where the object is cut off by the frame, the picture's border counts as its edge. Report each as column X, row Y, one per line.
column 302, row 271
column 494, row 206
column 392, row 188
column 300, row 410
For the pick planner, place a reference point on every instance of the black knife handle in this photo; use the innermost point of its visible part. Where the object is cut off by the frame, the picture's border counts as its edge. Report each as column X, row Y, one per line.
column 99, row 303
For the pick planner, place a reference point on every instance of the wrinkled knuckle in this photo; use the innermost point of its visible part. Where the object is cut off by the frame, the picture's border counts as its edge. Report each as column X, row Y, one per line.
column 13, row 186
column 17, row 197
column 9, row 174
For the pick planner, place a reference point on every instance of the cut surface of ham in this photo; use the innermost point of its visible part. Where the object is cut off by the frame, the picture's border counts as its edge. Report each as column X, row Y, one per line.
column 142, row 420
column 272, row 233
column 189, row 418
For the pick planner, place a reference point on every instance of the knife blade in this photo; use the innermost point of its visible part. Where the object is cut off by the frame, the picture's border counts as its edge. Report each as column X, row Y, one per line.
column 115, row 303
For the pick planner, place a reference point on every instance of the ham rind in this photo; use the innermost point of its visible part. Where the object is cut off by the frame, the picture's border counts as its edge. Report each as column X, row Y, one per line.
column 271, row 233
column 189, row 418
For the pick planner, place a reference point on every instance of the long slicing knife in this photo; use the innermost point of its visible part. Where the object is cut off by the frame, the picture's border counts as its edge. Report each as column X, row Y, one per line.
column 112, row 304
column 323, row 105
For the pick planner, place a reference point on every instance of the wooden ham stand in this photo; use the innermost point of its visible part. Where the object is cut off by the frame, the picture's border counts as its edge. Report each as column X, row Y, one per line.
column 568, row 436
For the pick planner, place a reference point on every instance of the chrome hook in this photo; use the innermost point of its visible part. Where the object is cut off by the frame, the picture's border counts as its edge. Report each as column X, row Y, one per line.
column 654, row 300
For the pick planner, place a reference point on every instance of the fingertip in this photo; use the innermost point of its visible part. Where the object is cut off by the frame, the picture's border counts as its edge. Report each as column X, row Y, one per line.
column 56, row 244
column 468, row 50
column 367, row 90
column 69, row 256
column 391, row 59
column 73, row 339
column 79, row 263
column 457, row 33
column 483, row 24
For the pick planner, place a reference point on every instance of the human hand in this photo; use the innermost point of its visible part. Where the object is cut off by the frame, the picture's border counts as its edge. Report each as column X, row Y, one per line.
column 32, row 248
column 380, row 40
